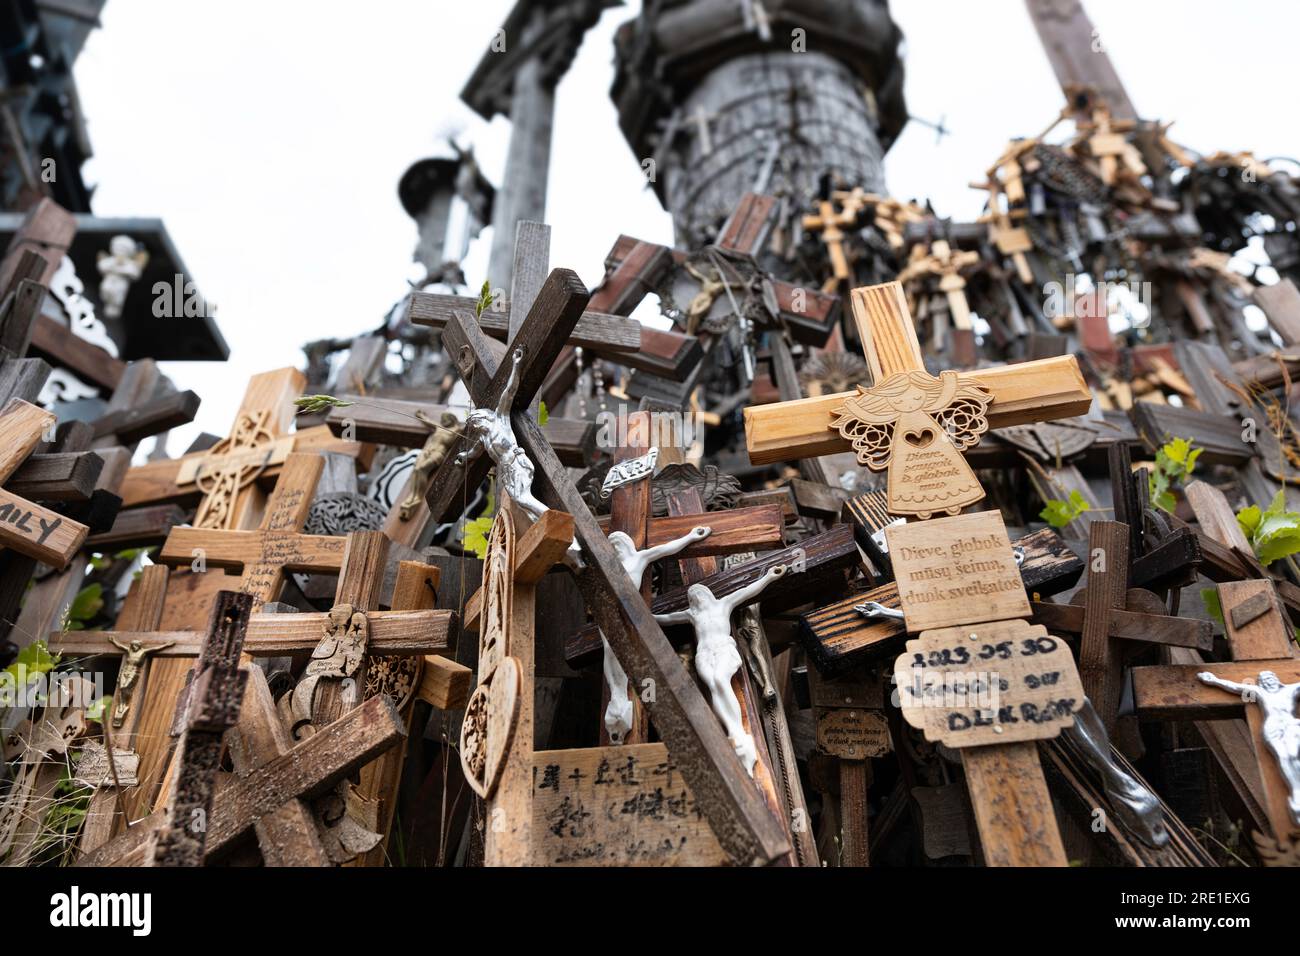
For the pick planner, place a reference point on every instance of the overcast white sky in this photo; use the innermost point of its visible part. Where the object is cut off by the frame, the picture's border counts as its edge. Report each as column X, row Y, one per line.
column 270, row 136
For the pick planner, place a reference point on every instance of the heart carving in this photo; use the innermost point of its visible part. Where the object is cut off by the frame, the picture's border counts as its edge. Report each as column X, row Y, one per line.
column 921, row 439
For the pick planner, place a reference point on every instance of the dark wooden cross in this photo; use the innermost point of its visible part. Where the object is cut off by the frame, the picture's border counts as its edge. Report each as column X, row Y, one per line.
column 213, row 708
column 258, row 796
column 734, row 809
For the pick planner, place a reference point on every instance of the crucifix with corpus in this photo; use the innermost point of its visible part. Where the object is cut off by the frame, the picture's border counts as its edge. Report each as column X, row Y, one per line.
column 743, row 824
column 910, row 422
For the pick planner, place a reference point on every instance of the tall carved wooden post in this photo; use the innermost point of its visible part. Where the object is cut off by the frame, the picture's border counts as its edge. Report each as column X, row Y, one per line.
column 815, row 84
column 517, row 77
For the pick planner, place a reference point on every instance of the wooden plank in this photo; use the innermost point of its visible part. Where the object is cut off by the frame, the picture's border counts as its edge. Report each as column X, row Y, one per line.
column 1107, row 590
column 1172, row 692
column 308, row 770
column 57, row 476
column 130, row 425
column 1129, row 626
column 735, row 531
column 1027, row 392
column 599, row 332
column 1012, row 806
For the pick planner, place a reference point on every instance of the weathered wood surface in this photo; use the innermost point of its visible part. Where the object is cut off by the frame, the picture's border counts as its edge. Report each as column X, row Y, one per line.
column 308, row 770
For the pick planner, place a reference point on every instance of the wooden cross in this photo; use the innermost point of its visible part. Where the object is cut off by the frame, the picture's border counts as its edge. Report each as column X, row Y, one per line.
column 263, row 557
column 1028, row 392
column 695, row 570
column 25, row 526
column 937, row 563
column 259, row 795
column 212, row 708
column 226, row 476
column 830, row 223
column 743, row 825
column 1259, row 639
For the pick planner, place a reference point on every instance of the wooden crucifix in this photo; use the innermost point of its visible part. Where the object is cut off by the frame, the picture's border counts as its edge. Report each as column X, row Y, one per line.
column 262, row 557
column 1260, row 642
column 212, row 708
column 727, row 798
column 896, row 422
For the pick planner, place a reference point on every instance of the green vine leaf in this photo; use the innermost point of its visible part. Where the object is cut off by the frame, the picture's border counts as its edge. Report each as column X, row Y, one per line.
column 543, row 416
column 1175, row 462
column 474, row 539
column 1060, row 513
column 1273, row 533
column 484, row 299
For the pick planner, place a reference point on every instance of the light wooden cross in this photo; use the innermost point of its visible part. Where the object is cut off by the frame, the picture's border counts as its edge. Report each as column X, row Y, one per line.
column 1259, row 639
column 262, row 557
column 830, row 223
column 984, row 633
column 727, row 798
column 212, row 708
column 25, row 526
column 226, row 476
column 1028, row 392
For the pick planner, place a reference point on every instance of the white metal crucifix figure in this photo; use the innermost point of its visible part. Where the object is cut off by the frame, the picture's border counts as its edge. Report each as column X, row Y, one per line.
column 1281, row 728
column 618, row 714
column 491, row 431
column 716, row 656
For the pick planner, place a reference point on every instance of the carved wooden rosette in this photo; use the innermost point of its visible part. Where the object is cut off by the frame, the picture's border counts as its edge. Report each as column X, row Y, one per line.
column 493, row 711
column 917, row 426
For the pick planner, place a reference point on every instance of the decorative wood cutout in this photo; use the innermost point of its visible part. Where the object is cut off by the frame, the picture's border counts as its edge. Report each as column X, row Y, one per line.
column 489, row 726
column 498, row 570
column 956, row 571
column 986, row 684
column 918, row 426
column 338, row 656
column 1050, row 441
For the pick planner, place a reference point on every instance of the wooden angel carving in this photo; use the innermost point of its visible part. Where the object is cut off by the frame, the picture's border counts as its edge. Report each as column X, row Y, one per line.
column 918, row 426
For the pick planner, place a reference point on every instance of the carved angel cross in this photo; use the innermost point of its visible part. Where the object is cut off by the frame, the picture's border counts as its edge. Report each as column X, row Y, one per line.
column 918, row 426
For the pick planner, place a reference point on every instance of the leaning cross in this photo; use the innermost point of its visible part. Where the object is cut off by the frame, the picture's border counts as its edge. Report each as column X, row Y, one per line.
column 259, row 795
column 25, row 526
column 727, row 798
column 994, row 397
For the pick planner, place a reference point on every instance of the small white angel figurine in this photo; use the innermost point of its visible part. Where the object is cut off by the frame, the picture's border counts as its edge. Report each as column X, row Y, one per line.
column 717, row 658
column 122, row 265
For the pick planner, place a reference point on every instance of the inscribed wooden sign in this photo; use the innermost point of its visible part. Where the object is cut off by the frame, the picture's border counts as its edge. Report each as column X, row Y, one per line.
column 617, row 806
column 956, row 570
column 986, row 684
column 853, row 733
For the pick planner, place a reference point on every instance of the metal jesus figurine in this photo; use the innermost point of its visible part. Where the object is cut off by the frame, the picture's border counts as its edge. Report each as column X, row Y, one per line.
column 717, row 658
column 490, row 429
column 128, row 676
column 1281, row 729
column 618, row 715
